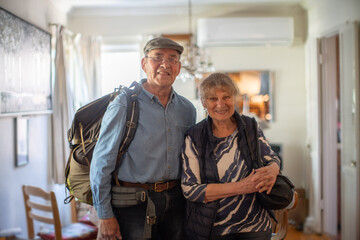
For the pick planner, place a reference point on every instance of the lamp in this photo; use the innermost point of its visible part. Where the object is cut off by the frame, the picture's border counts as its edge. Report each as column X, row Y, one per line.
column 197, row 61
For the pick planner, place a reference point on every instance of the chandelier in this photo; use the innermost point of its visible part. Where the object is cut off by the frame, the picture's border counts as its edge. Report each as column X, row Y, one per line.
column 196, row 61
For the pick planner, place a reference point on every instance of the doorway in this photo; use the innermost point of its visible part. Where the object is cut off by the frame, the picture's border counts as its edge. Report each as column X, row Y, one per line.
column 339, row 91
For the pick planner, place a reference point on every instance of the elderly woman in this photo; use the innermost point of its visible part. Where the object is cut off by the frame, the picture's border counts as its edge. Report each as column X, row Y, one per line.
column 218, row 179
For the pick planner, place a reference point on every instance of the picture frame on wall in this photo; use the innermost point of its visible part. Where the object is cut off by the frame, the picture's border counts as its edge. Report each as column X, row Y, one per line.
column 21, row 141
column 25, row 67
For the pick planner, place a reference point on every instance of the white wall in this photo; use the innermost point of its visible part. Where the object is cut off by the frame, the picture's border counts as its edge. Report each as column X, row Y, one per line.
column 324, row 17
column 37, row 171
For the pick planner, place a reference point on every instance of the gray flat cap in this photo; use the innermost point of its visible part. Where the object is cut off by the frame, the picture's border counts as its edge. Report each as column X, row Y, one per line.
column 162, row 42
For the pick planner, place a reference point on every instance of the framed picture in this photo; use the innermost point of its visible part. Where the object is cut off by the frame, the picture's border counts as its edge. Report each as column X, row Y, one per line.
column 21, row 141
column 25, row 67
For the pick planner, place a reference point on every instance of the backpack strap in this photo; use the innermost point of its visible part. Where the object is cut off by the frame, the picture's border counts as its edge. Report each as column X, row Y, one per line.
column 132, row 118
column 256, row 161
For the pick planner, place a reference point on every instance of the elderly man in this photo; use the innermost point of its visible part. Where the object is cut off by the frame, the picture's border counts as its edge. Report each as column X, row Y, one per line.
column 152, row 161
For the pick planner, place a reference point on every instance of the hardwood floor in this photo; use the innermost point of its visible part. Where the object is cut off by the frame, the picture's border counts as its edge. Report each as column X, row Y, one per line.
column 294, row 234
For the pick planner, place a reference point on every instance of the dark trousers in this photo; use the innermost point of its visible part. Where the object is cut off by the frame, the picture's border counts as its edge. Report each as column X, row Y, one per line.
column 170, row 209
column 246, row 236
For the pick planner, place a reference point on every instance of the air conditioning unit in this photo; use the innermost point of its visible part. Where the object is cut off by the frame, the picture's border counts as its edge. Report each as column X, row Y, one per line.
column 252, row 31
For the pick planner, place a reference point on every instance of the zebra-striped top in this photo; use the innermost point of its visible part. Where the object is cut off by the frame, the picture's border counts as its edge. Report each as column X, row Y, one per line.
column 240, row 213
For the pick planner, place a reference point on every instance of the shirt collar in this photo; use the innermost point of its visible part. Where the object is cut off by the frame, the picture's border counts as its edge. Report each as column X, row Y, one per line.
column 239, row 122
column 152, row 96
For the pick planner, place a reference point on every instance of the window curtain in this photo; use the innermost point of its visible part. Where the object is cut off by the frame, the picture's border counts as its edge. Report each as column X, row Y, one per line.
column 92, row 65
column 70, row 90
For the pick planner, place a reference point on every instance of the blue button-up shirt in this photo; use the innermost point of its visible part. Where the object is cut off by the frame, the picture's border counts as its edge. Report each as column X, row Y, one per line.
column 154, row 153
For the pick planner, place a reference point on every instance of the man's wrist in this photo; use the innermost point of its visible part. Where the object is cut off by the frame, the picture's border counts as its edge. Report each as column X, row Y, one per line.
column 104, row 211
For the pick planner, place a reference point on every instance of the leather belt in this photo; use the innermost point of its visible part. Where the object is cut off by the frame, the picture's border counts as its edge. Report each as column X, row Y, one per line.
column 156, row 187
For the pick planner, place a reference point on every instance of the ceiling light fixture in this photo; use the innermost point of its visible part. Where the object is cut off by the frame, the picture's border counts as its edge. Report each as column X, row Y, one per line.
column 196, row 61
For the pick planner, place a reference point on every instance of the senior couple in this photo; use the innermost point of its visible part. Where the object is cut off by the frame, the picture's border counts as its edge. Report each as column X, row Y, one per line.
column 197, row 175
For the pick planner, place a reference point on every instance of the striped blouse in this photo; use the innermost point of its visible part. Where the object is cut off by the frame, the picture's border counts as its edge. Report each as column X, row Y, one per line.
column 240, row 213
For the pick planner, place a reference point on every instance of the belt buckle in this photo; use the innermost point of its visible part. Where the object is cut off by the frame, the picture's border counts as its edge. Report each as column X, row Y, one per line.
column 156, row 186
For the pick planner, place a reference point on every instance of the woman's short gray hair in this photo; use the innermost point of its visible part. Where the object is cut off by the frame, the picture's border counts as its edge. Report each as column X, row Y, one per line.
column 217, row 80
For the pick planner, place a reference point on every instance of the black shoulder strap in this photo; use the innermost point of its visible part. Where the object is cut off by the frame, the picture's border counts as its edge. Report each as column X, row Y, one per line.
column 257, row 162
column 132, row 117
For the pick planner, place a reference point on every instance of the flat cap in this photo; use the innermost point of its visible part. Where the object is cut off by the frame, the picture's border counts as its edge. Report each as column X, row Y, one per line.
column 162, row 42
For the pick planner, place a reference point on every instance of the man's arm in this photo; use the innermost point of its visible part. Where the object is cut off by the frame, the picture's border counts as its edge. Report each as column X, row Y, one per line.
column 103, row 164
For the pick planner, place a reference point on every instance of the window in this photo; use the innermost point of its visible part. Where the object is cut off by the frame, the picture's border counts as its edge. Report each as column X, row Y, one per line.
column 120, row 64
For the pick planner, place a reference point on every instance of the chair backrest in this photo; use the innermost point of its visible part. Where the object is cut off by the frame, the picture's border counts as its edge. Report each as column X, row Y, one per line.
column 43, row 203
column 280, row 228
column 78, row 210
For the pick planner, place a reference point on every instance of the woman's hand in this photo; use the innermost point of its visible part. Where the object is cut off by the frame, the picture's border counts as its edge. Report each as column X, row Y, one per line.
column 265, row 177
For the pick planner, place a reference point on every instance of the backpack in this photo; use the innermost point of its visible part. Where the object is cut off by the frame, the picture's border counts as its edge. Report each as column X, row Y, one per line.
column 84, row 133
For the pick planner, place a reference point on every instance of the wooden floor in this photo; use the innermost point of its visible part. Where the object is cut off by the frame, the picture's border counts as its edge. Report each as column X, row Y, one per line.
column 294, row 234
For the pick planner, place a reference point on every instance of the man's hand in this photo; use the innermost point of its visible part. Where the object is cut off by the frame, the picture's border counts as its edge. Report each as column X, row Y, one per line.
column 109, row 229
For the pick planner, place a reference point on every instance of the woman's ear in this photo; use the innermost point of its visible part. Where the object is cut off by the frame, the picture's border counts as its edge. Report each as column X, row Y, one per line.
column 203, row 103
column 236, row 98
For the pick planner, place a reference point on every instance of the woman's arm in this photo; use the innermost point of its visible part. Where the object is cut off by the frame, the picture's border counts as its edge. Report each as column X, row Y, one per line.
column 192, row 187
column 195, row 190
column 215, row 191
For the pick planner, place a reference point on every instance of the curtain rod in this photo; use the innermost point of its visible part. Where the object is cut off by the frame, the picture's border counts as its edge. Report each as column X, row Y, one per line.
column 67, row 31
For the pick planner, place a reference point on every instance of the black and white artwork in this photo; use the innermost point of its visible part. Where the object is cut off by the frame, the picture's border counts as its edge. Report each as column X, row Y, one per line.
column 25, row 67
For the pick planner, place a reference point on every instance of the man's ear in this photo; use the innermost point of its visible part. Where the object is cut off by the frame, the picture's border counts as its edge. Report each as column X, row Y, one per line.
column 179, row 69
column 143, row 64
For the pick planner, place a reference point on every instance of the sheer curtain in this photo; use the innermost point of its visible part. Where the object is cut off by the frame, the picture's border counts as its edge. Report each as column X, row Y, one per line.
column 92, row 65
column 73, row 77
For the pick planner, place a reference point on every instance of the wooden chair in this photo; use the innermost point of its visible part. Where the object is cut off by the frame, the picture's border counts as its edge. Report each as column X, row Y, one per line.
column 42, row 206
column 280, row 228
column 82, row 212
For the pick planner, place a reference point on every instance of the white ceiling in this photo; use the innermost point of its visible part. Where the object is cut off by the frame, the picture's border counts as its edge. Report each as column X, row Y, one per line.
column 134, row 7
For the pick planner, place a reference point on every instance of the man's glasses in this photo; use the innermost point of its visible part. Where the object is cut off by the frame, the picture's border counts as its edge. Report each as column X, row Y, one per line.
column 158, row 60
